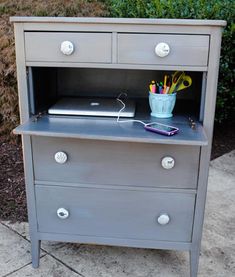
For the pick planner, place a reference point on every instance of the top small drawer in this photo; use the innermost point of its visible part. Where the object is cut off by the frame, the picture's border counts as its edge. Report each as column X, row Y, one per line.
column 188, row 50
column 84, row 47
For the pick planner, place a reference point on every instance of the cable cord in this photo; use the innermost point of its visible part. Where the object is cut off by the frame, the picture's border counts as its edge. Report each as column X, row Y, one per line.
column 120, row 111
column 146, row 125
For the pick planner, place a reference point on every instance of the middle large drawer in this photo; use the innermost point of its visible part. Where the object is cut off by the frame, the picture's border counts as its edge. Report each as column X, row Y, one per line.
column 114, row 163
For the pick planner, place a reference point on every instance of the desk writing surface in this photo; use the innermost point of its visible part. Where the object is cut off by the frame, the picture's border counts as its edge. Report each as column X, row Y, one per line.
column 110, row 129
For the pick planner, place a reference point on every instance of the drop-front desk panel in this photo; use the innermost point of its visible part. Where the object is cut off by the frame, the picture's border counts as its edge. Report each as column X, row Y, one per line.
column 93, row 180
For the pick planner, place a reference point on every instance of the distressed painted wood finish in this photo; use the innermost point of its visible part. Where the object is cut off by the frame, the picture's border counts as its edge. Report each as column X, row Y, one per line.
column 26, row 143
column 123, row 164
column 135, row 25
column 139, row 49
column 88, row 47
column 109, row 21
column 208, row 122
column 110, row 130
column 130, row 217
column 130, row 157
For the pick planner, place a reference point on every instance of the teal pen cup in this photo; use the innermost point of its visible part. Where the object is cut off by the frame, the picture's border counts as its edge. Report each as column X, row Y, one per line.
column 162, row 105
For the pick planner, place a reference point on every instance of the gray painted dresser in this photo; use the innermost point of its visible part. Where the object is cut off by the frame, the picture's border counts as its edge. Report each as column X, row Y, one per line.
column 92, row 179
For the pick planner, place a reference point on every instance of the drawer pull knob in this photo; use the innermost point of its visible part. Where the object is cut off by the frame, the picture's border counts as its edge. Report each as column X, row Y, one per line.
column 61, row 157
column 67, row 47
column 162, row 49
column 168, row 162
column 163, row 219
column 62, row 213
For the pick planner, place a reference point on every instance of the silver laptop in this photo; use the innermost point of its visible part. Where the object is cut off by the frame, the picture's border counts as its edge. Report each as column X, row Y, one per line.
column 93, row 107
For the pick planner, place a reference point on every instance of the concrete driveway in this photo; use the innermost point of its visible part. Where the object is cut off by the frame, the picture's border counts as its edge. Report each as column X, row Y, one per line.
column 67, row 259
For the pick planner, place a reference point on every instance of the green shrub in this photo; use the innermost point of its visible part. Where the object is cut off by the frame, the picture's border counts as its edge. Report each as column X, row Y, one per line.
column 194, row 9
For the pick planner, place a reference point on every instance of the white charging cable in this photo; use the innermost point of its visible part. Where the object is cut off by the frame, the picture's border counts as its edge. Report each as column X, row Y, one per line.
column 124, row 106
column 138, row 121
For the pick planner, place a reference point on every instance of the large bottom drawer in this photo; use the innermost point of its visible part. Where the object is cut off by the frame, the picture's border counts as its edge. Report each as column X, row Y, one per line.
column 117, row 213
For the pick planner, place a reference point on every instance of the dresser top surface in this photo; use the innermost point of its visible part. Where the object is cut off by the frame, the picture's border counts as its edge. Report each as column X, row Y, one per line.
column 107, row 20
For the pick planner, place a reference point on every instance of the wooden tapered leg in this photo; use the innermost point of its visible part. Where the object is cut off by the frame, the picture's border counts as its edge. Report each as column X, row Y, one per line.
column 35, row 252
column 194, row 261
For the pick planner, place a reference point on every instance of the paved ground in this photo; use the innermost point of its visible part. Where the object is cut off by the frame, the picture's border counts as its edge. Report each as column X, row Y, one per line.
column 70, row 260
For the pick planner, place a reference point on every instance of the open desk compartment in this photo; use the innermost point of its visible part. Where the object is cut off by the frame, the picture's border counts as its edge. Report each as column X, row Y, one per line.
column 47, row 85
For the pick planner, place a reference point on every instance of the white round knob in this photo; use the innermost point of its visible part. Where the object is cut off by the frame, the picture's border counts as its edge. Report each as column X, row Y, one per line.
column 67, row 47
column 162, row 49
column 61, row 157
column 168, row 162
column 163, row 219
column 62, row 213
